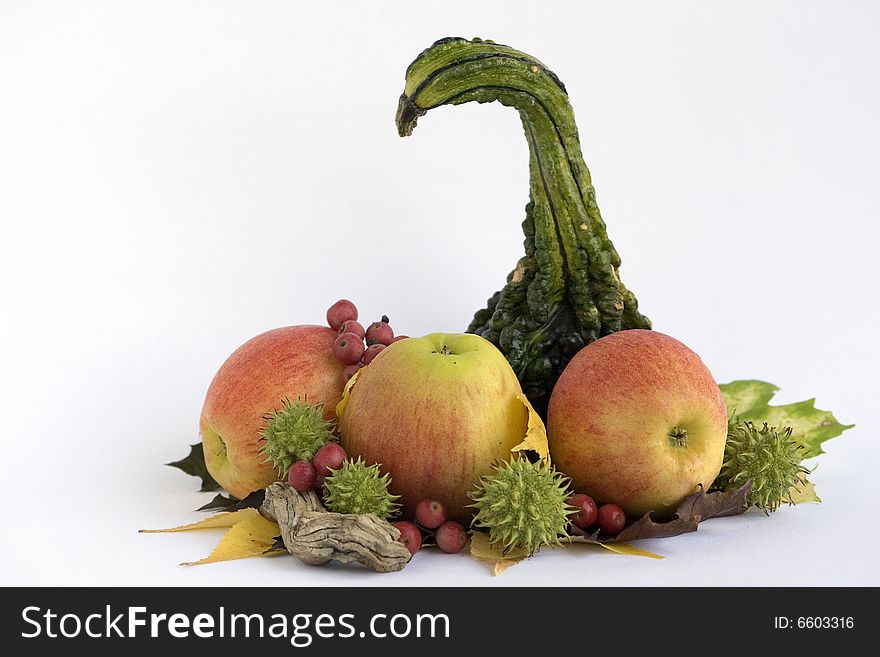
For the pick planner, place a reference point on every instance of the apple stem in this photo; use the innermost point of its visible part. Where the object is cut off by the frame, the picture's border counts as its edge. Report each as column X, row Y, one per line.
column 678, row 437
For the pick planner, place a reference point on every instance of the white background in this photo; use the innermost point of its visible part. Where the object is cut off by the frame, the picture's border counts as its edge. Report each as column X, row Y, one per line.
column 178, row 177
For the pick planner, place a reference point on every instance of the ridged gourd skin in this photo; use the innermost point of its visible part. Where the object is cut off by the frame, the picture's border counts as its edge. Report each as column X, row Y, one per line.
column 565, row 292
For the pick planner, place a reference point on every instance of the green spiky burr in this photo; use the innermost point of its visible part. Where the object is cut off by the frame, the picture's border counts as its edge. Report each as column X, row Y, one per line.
column 768, row 456
column 359, row 488
column 523, row 505
column 293, row 433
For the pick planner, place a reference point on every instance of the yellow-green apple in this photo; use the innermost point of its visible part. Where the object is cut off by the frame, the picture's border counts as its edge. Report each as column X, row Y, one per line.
column 435, row 412
column 294, row 362
column 637, row 419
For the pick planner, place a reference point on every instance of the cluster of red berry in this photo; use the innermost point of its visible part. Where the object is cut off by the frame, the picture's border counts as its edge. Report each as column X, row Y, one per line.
column 610, row 518
column 449, row 535
column 349, row 347
column 304, row 476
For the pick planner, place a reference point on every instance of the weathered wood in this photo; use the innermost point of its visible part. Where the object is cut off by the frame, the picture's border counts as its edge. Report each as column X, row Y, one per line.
column 316, row 536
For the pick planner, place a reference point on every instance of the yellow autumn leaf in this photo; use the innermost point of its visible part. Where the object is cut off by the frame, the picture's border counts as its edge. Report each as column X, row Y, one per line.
column 346, row 393
column 218, row 520
column 536, row 434
column 483, row 548
column 253, row 536
column 503, row 564
column 630, row 550
column 618, row 548
column 493, row 554
column 807, row 493
column 249, row 535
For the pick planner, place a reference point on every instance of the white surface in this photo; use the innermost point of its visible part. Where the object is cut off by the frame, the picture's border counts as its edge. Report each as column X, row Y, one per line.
column 178, row 177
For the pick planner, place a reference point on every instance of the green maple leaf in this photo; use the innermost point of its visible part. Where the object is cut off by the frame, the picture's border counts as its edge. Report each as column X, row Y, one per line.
column 810, row 426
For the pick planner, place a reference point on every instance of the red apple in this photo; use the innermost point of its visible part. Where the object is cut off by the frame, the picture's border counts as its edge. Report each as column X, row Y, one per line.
column 294, row 362
column 637, row 419
column 435, row 412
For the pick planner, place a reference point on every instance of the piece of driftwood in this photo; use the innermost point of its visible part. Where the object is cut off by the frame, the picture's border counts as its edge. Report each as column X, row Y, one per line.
column 316, row 536
column 284, row 505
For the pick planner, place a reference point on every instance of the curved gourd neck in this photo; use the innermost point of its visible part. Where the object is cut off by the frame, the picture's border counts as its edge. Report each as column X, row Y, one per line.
column 566, row 291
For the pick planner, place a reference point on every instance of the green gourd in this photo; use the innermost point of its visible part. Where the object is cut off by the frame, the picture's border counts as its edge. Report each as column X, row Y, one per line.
column 565, row 292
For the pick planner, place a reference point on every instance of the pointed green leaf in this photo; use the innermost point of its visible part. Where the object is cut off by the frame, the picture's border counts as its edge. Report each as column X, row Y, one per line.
column 231, row 503
column 811, row 426
column 194, row 464
column 220, row 502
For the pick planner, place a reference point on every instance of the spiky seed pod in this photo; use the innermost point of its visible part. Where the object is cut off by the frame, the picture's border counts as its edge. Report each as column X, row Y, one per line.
column 767, row 456
column 294, row 433
column 523, row 505
column 359, row 488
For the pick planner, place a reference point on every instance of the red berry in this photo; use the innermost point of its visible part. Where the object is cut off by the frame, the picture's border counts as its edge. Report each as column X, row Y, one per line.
column 341, row 311
column 329, row 457
column 302, row 476
column 430, row 513
column 371, row 352
column 352, row 326
column 586, row 512
column 451, row 537
column 611, row 519
column 348, row 348
column 350, row 371
column 399, row 337
column 379, row 333
column 410, row 535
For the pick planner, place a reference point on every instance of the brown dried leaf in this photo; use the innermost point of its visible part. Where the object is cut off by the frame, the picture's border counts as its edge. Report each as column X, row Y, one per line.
column 719, row 505
column 693, row 510
column 645, row 527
